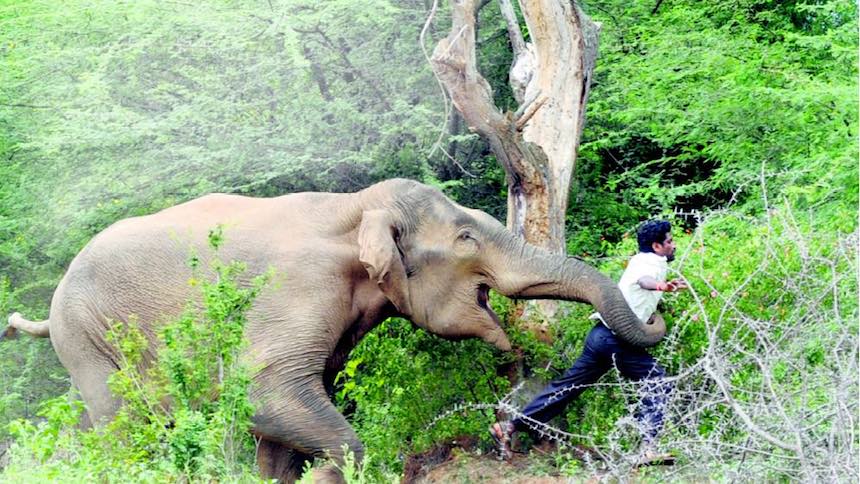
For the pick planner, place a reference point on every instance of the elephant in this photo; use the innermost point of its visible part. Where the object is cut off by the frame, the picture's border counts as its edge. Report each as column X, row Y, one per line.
column 344, row 263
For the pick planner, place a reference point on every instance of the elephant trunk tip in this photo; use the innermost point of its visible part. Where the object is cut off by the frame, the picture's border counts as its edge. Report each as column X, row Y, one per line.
column 499, row 339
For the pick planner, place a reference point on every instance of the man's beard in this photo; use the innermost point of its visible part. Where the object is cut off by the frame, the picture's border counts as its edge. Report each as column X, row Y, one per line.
column 670, row 257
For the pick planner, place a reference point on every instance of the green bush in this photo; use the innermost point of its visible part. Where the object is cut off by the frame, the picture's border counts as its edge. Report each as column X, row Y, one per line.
column 399, row 380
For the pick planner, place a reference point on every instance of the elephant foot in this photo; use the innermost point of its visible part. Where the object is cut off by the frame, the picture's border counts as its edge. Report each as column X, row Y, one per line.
column 277, row 461
column 328, row 474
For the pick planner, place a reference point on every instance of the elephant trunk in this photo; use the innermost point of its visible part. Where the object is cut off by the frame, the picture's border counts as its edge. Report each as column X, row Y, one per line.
column 538, row 274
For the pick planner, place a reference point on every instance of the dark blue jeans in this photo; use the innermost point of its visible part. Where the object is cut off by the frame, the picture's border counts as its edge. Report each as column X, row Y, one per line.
column 602, row 350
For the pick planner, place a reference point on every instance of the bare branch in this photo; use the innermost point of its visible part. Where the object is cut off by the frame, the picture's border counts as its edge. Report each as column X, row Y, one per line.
column 422, row 42
column 29, row 106
column 513, row 24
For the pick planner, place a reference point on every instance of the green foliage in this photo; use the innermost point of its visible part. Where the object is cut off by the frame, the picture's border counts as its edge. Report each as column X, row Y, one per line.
column 400, row 380
column 692, row 102
column 184, row 416
column 110, row 110
column 59, row 413
column 406, row 390
column 352, row 471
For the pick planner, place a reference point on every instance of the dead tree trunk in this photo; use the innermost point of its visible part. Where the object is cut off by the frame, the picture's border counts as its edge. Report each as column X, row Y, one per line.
column 550, row 78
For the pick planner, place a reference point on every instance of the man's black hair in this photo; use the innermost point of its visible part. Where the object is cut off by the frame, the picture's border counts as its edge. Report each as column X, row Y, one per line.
column 650, row 232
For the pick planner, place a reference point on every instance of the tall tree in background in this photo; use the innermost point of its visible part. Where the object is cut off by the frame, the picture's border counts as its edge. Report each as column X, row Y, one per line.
column 550, row 78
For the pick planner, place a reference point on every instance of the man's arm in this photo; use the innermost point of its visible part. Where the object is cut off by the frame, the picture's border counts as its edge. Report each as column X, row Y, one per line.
column 652, row 284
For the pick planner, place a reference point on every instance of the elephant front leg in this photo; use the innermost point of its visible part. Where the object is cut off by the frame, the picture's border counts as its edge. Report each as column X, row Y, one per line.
column 307, row 421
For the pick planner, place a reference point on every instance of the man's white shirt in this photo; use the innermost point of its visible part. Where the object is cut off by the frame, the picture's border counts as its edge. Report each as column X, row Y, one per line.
column 643, row 302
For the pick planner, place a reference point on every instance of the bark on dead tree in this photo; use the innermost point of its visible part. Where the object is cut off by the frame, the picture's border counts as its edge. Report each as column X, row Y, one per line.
column 550, row 77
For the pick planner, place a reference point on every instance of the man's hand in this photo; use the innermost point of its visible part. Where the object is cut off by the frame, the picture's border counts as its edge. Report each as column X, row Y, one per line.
column 674, row 285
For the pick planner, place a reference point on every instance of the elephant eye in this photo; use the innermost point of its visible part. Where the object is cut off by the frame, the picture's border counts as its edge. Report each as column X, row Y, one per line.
column 465, row 235
column 466, row 244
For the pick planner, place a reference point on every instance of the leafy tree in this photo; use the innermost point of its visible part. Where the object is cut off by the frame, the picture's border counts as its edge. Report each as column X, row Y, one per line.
column 693, row 102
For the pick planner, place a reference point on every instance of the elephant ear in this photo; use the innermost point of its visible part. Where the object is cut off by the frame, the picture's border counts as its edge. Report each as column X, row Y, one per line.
column 379, row 254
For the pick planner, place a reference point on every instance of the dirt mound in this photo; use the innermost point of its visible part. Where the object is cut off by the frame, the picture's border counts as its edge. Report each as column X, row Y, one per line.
column 464, row 461
column 464, row 466
column 419, row 465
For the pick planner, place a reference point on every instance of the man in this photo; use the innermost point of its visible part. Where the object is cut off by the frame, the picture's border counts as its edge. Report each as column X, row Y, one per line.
column 642, row 284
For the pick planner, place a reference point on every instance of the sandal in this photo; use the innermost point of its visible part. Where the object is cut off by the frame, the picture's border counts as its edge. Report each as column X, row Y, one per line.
column 501, row 433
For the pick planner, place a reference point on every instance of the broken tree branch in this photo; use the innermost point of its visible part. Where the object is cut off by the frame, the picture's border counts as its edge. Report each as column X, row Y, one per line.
column 526, row 116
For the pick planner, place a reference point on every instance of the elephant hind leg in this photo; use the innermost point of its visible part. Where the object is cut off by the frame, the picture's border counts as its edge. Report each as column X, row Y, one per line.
column 277, row 461
column 90, row 370
column 101, row 404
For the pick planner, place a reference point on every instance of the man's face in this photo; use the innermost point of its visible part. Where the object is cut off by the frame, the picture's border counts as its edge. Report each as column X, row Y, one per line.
column 666, row 249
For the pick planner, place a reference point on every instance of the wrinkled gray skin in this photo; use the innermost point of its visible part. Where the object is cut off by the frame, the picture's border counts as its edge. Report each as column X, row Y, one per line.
column 344, row 263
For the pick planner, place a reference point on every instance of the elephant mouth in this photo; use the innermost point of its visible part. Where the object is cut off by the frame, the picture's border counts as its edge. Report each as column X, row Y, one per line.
column 483, row 302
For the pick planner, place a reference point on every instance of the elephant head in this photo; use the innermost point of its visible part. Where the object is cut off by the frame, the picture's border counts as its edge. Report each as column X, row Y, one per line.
column 436, row 262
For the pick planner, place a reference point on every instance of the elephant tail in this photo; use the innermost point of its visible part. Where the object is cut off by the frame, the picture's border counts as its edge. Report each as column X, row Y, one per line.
column 41, row 329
